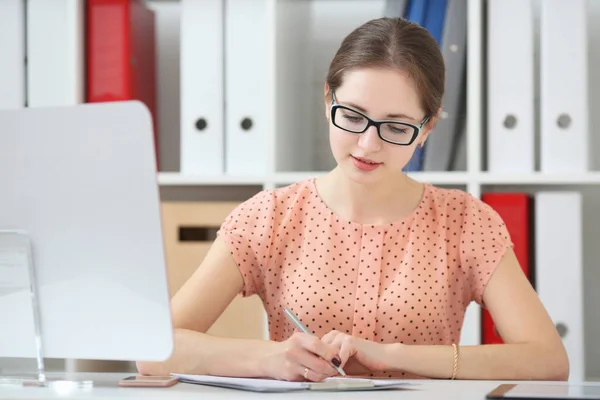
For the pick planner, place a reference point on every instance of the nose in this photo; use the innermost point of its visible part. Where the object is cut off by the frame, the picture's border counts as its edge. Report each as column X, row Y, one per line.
column 369, row 140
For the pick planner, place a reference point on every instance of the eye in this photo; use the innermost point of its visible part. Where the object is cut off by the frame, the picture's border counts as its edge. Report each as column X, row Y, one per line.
column 353, row 118
column 397, row 130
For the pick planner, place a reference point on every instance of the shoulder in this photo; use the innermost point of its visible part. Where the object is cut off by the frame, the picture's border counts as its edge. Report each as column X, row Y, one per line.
column 257, row 206
column 470, row 224
column 269, row 205
column 475, row 231
column 451, row 199
column 250, row 229
column 460, row 209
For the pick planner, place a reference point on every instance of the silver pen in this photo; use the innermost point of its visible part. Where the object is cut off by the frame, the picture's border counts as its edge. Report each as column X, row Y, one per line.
column 304, row 329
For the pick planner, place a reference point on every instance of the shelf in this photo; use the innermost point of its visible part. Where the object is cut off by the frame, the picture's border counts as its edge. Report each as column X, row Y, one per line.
column 436, row 178
column 286, row 178
column 539, row 178
column 177, row 179
column 483, row 178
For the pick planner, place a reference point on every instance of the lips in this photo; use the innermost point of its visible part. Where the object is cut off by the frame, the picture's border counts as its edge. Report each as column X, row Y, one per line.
column 366, row 160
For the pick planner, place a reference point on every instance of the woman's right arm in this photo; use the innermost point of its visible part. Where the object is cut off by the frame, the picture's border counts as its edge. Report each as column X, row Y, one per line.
column 200, row 302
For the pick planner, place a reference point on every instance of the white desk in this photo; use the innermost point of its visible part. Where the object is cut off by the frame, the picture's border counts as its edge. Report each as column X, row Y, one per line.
column 106, row 388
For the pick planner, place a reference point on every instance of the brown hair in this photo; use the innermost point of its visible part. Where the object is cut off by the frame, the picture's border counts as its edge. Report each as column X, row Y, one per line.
column 394, row 43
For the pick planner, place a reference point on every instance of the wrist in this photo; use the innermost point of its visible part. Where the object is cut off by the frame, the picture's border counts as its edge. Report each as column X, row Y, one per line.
column 395, row 356
column 262, row 358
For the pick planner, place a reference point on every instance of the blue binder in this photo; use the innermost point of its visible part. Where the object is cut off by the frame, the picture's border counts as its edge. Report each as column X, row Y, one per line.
column 431, row 15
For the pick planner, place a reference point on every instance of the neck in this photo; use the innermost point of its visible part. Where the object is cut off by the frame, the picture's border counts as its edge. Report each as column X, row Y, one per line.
column 383, row 202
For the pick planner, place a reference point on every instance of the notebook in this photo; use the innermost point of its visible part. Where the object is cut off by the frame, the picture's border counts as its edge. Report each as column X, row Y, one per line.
column 271, row 385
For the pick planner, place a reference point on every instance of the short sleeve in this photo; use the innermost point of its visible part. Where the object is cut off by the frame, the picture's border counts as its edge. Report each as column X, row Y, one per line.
column 248, row 233
column 484, row 241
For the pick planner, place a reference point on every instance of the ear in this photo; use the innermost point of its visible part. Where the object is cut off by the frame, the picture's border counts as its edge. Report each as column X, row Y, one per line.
column 327, row 100
column 428, row 127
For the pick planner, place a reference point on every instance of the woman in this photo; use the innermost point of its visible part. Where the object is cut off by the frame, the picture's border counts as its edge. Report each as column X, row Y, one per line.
column 378, row 266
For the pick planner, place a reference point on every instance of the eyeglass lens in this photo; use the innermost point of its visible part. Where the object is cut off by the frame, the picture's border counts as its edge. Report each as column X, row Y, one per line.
column 393, row 131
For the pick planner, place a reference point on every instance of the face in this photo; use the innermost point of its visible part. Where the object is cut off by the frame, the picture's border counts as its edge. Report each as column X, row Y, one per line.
column 381, row 94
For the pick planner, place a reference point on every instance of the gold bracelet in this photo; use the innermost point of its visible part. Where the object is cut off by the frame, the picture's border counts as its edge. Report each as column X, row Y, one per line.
column 455, row 366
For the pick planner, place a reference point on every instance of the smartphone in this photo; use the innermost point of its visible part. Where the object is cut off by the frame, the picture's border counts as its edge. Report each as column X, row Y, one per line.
column 148, row 381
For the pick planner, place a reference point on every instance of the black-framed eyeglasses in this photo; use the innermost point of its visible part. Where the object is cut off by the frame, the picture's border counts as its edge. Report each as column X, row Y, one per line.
column 395, row 132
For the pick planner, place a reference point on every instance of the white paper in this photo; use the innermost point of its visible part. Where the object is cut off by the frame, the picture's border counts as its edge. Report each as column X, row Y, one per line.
column 255, row 384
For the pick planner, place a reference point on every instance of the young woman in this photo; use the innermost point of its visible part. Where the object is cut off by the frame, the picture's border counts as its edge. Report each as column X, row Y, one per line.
column 379, row 267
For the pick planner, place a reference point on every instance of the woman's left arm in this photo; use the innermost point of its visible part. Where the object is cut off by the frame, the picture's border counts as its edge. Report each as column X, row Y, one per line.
column 532, row 348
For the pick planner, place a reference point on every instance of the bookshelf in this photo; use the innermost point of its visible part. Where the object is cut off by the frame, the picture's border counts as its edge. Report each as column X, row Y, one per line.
column 314, row 29
column 290, row 159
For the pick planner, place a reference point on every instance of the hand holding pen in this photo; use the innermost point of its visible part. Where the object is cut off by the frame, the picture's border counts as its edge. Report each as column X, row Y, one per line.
column 301, row 357
column 335, row 361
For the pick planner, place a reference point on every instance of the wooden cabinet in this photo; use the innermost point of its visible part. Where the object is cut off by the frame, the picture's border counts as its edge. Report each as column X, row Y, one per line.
column 189, row 229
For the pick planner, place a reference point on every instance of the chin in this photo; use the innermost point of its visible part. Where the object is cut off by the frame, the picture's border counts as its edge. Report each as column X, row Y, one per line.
column 363, row 177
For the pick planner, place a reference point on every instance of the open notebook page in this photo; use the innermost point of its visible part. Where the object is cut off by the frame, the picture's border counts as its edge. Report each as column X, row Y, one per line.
column 269, row 385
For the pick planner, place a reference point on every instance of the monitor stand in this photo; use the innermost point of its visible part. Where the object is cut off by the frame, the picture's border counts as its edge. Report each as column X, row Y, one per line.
column 18, row 274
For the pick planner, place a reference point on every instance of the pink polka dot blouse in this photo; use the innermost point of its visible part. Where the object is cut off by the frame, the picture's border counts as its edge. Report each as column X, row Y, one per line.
column 409, row 281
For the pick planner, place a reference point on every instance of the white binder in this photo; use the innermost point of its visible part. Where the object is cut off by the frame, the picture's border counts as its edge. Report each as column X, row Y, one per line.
column 55, row 52
column 470, row 334
column 248, row 90
column 12, row 48
column 202, row 101
column 510, row 83
column 564, row 92
column 559, row 264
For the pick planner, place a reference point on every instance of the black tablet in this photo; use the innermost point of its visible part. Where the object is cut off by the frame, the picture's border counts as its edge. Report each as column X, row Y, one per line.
column 551, row 391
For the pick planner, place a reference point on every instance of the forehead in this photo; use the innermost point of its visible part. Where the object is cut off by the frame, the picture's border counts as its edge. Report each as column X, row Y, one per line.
column 380, row 91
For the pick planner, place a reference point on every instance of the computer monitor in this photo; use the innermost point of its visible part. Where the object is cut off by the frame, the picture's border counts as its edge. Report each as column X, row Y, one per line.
column 81, row 182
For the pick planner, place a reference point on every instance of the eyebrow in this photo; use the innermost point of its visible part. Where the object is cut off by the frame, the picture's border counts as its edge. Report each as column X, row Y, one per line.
column 393, row 116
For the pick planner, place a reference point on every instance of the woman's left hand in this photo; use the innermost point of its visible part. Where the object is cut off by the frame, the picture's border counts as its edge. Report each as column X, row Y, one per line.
column 373, row 356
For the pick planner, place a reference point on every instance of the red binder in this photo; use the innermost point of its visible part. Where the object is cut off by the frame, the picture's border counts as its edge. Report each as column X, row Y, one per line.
column 121, row 55
column 515, row 210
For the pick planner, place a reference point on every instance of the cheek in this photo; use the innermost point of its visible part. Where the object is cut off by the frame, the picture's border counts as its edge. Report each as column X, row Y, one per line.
column 400, row 156
column 341, row 142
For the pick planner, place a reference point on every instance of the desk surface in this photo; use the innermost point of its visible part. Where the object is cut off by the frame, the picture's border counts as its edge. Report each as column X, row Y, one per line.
column 105, row 387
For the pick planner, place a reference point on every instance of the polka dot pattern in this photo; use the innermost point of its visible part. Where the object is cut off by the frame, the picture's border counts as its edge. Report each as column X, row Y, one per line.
column 409, row 281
